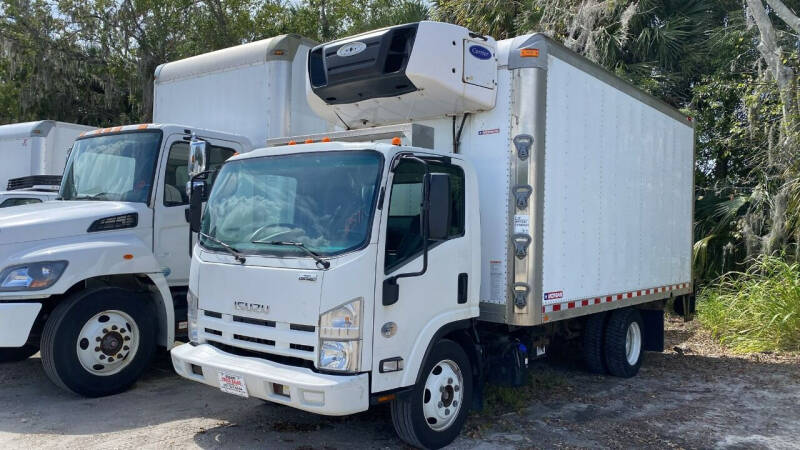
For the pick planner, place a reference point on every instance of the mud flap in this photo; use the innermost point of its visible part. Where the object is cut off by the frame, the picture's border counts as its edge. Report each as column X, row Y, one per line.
column 653, row 335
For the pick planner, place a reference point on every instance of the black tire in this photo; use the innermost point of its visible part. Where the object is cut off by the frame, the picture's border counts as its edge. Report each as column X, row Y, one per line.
column 9, row 354
column 407, row 410
column 60, row 340
column 593, row 349
column 616, row 355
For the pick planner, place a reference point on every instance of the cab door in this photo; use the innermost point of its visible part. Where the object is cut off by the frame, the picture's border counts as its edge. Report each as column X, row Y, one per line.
column 425, row 302
column 170, row 227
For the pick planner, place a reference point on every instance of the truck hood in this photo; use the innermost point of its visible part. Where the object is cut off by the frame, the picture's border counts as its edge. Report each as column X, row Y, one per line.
column 56, row 219
column 267, row 293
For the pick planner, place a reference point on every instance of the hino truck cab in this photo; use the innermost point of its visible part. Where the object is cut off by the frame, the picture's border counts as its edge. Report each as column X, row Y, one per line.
column 97, row 280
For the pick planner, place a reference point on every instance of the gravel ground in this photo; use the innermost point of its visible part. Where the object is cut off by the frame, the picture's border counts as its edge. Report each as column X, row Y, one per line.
column 694, row 395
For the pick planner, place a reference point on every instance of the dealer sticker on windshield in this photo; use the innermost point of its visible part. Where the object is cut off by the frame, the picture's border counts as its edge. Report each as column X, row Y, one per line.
column 232, row 384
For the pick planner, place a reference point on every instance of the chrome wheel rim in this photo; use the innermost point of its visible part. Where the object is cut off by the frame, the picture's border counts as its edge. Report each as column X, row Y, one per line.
column 443, row 395
column 107, row 343
column 633, row 343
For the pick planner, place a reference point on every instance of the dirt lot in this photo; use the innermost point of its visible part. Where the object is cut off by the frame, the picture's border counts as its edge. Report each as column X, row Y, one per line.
column 693, row 395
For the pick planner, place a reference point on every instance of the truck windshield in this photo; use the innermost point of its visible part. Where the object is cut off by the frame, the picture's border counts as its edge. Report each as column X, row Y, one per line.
column 117, row 167
column 288, row 205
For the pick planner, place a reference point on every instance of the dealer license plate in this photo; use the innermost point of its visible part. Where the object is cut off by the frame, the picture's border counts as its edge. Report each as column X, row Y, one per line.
column 232, row 384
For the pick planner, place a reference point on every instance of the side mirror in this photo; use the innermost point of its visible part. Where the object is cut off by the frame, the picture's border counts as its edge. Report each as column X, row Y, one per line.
column 196, row 205
column 197, row 157
column 439, row 219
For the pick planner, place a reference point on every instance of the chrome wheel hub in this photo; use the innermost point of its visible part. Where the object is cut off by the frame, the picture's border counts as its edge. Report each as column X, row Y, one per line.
column 443, row 394
column 107, row 342
column 633, row 343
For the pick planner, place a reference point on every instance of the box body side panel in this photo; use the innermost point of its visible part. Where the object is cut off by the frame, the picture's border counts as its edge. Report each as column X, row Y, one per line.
column 618, row 192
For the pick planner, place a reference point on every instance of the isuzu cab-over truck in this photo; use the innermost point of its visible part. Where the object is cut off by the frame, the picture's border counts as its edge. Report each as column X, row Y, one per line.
column 97, row 281
column 488, row 199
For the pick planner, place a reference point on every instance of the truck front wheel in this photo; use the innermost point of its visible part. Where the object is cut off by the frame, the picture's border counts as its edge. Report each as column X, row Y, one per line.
column 432, row 414
column 99, row 341
column 17, row 354
column 623, row 342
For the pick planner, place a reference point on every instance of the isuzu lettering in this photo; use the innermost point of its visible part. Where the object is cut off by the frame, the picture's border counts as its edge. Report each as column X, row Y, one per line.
column 486, row 199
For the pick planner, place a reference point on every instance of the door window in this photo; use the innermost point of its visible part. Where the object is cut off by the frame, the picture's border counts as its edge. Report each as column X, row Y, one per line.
column 403, row 229
column 177, row 173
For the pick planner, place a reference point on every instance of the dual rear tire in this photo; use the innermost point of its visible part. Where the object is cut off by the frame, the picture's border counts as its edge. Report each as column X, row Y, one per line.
column 613, row 342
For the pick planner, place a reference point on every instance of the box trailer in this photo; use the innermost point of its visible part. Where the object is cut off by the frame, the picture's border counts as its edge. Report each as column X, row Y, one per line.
column 98, row 281
column 487, row 199
column 36, row 148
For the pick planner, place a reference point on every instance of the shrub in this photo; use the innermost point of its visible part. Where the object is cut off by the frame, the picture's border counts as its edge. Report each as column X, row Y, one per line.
column 757, row 310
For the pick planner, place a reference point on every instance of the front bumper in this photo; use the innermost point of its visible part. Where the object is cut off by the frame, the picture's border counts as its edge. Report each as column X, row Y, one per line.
column 330, row 395
column 16, row 321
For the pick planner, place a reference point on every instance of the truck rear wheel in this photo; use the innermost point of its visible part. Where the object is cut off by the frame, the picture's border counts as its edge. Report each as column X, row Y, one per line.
column 624, row 343
column 593, row 351
column 98, row 342
column 433, row 413
column 8, row 354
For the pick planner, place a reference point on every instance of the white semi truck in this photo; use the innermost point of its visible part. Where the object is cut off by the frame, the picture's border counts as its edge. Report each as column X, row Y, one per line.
column 98, row 280
column 532, row 198
column 33, row 156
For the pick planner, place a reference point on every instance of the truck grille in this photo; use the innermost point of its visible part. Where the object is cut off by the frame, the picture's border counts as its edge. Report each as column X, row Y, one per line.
column 288, row 360
column 267, row 338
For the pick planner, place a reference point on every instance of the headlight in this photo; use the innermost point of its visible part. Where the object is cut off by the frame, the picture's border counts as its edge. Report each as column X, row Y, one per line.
column 191, row 316
column 32, row 276
column 340, row 338
column 339, row 355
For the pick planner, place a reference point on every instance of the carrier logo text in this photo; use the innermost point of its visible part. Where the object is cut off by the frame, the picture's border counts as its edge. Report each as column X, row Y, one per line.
column 351, row 49
column 480, row 52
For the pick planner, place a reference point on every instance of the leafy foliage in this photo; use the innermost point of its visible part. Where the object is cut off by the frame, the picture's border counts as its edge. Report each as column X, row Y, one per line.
column 757, row 310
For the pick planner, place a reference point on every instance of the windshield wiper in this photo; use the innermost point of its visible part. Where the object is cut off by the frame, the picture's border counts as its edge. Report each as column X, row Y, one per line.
column 236, row 254
column 325, row 264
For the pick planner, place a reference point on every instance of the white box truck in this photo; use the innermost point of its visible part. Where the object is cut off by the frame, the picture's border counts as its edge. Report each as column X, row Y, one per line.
column 33, row 156
column 534, row 197
column 98, row 280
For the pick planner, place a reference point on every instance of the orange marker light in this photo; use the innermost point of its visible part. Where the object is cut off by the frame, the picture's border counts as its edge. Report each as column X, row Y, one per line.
column 326, row 139
column 309, row 141
column 278, row 52
column 292, row 143
column 127, row 256
column 396, row 141
column 386, row 398
column 529, row 53
column 142, row 126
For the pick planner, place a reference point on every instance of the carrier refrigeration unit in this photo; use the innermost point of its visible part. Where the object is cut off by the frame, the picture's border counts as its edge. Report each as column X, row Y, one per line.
column 486, row 200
